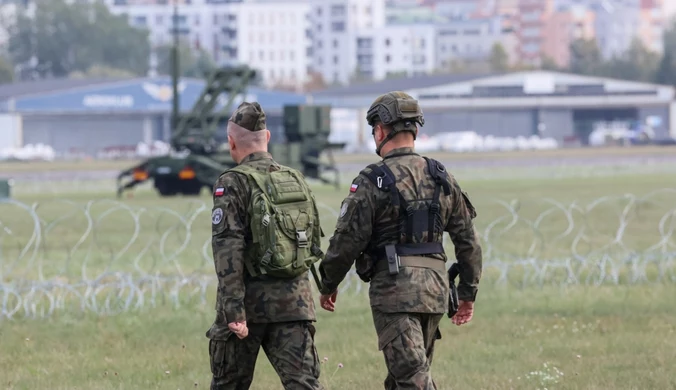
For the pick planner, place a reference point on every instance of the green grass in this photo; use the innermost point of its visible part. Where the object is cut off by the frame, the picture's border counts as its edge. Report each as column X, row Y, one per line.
column 600, row 337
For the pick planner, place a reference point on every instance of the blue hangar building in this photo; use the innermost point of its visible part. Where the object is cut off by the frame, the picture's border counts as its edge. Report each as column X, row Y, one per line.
column 91, row 116
column 87, row 116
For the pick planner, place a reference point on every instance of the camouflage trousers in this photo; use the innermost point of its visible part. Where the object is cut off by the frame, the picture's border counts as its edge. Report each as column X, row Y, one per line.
column 289, row 347
column 407, row 342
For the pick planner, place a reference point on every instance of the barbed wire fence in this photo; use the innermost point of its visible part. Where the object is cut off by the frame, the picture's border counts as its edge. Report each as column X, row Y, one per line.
column 106, row 257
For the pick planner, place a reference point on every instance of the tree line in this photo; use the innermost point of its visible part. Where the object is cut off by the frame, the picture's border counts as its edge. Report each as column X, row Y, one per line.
column 637, row 63
column 79, row 39
column 86, row 40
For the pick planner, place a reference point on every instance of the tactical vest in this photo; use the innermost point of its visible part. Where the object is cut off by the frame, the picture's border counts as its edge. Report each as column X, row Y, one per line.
column 416, row 216
column 283, row 217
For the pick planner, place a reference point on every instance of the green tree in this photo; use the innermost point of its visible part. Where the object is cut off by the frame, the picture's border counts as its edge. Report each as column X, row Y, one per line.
column 6, row 71
column 499, row 60
column 61, row 38
column 637, row 63
column 549, row 64
column 192, row 63
column 585, row 57
column 666, row 71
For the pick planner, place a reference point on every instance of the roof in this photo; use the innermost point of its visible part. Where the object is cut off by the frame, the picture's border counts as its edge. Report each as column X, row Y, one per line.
column 24, row 88
column 130, row 95
column 399, row 84
column 517, row 89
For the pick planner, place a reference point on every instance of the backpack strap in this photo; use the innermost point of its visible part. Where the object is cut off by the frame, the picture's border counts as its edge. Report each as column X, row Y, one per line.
column 381, row 175
column 246, row 171
column 438, row 173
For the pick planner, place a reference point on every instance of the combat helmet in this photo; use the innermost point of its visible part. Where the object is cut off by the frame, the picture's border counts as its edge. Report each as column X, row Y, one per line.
column 398, row 110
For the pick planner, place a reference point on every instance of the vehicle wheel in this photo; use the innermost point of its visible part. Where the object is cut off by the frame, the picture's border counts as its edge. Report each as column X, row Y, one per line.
column 166, row 187
column 191, row 188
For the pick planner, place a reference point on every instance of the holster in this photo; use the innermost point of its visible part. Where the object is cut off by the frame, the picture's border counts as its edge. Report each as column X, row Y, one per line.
column 393, row 262
column 453, row 304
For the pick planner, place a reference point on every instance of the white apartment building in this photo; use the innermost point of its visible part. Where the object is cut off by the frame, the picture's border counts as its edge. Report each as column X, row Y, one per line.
column 470, row 39
column 669, row 9
column 337, row 24
column 271, row 36
column 616, row 25
column 396, row 49
column 7, row 16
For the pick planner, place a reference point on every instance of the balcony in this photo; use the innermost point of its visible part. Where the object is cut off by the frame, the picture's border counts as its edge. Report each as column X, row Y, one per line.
column 181, row 30
column 229, row 32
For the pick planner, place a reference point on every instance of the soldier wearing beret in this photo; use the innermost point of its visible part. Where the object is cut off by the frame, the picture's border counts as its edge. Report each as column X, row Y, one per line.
column 254, row 307
column 392, row 223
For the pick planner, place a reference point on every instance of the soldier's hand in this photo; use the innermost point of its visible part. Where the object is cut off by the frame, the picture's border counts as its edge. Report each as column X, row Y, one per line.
column 464, row 314
column 328, row 302
column 239, row 329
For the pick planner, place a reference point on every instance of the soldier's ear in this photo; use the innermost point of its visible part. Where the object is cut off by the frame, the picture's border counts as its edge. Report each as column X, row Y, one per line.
column 378, row 132
column 267, row 136
column 231, row 142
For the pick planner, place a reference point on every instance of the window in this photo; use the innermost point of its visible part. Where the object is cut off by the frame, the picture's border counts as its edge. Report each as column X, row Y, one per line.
column 387, row 58
column 337, row 11
column 335, row 60
column 338, row 26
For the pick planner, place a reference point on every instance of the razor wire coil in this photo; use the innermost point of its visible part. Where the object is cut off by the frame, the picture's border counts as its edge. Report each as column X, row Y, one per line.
column 105, row 257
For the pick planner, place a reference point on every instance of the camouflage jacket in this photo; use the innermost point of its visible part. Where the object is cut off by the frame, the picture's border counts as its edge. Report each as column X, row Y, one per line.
column 369, row 220
column 239, row 296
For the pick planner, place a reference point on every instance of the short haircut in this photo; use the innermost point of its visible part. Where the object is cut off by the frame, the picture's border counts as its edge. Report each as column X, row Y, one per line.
column 247, row 139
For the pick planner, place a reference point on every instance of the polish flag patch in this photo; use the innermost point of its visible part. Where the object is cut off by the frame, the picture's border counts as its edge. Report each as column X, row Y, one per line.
column 219, row 191
column 353, row 187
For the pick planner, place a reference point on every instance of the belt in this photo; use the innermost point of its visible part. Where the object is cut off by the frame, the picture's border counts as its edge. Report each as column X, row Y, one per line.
column 413, row 261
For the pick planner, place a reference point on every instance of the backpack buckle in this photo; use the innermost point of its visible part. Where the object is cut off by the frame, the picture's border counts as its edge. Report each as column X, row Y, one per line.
column 380, row 182
column 301, row 238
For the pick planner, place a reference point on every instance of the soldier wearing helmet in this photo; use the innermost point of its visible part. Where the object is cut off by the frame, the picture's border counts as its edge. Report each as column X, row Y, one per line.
column 392, row 224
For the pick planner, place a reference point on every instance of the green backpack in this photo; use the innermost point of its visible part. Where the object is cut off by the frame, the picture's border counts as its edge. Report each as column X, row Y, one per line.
column 284, row 224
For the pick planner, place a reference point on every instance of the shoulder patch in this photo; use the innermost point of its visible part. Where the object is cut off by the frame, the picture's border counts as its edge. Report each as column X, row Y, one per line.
column 343, row 210
column 219, row 191
column 353, row 187
column 217, row 216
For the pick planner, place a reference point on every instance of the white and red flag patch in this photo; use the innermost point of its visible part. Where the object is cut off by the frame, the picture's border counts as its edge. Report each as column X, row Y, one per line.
column 353, row 187
column 219, row 191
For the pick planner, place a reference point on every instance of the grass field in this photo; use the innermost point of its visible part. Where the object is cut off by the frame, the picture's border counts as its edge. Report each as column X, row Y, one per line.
column 528, row 332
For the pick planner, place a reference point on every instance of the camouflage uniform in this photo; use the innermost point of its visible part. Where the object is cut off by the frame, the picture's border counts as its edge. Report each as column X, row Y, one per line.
column 407, row 307
column 278, row 312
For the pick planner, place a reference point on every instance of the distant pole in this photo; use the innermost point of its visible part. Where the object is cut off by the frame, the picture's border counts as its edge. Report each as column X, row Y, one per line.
column 174, row 68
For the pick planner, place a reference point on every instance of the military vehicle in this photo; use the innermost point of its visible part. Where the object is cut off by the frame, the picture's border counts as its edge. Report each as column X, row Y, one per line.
column 199, row 149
